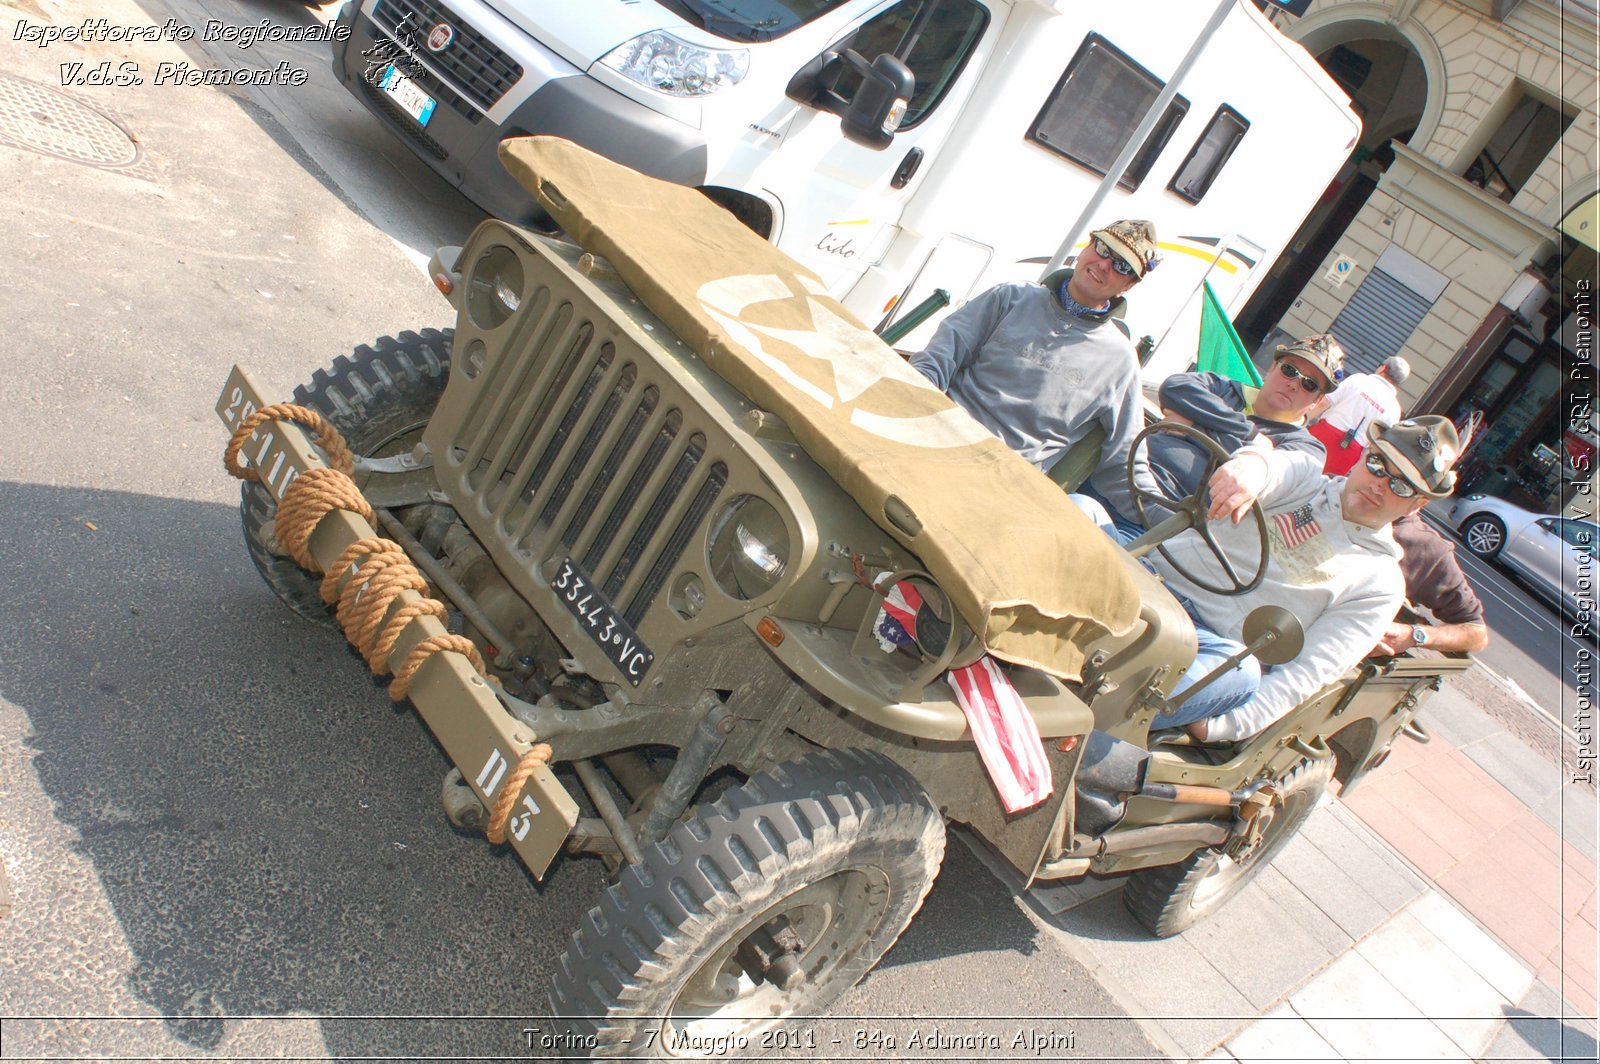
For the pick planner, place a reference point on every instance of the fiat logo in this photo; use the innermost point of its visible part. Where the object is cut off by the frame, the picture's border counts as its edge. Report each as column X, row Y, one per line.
column 440, row 36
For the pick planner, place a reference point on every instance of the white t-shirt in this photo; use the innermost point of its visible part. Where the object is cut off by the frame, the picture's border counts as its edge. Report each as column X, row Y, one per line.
column 1362, row 398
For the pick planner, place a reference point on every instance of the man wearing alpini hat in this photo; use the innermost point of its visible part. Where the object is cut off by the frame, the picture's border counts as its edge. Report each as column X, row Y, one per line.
column 1333, row 562
column 1039, row 364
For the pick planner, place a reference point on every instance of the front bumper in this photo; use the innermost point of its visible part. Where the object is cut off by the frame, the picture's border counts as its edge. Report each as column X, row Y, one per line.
column 497, row 82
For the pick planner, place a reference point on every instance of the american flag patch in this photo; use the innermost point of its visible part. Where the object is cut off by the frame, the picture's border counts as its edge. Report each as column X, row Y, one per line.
column 1297, row 526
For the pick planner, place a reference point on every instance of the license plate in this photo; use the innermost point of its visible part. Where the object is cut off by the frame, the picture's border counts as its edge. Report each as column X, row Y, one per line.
column 601, row 622
column 403, row 91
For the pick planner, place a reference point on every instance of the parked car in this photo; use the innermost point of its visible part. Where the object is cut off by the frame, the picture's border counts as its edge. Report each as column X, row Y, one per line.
column 1555, row 554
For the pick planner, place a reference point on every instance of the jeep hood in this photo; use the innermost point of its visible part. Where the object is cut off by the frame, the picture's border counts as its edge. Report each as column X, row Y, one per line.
column 1026, row 568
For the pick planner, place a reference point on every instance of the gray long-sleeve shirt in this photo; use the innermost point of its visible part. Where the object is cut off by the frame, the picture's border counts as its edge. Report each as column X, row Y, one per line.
column 1037, row 376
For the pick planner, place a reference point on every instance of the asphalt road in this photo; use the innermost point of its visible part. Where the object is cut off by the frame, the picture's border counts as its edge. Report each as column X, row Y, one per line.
column 221, row 838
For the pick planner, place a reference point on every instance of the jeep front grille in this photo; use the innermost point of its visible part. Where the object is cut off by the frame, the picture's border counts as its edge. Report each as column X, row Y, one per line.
column 471, row 64
column 574, row 450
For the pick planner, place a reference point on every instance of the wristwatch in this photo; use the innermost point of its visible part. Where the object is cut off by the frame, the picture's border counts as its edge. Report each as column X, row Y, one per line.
column 1419, row 635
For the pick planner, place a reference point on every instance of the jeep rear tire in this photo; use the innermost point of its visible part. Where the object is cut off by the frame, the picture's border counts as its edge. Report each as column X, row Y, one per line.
column 829, row 856
column 1173, row 898
column 379, row 398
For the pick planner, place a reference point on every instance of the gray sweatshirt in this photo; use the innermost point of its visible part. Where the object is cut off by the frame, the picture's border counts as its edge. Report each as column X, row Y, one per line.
column 1037, row 376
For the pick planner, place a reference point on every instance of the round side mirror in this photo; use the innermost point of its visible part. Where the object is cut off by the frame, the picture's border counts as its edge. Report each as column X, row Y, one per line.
column 1274, row 634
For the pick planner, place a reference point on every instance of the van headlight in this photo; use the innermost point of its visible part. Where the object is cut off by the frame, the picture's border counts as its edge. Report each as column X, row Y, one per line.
column 749, row 547
column 658, row 60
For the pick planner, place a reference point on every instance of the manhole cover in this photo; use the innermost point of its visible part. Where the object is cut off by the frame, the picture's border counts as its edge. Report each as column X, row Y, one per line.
column 39, row 118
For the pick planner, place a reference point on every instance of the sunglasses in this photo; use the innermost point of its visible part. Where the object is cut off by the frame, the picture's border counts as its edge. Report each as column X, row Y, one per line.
column 1304, row 378
column 1402, row 489
column 1105, row 252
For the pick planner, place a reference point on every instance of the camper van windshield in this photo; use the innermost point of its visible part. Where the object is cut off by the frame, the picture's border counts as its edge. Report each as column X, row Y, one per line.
column 751, row 20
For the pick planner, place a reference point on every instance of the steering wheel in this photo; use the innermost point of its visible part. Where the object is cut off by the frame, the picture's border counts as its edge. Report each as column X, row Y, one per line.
column 1194, row 508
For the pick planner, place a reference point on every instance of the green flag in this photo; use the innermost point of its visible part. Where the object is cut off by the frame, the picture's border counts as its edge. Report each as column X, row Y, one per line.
column 1221, row 350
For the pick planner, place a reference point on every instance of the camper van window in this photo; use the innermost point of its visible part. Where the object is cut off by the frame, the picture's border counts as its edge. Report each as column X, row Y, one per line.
column 1095, row 107
column 763, row 21
column 1209, row 154
column 936, row 54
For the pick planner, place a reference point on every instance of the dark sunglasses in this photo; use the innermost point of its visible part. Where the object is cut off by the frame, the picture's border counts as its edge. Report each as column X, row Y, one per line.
column 1288, row 370
column 1403, row 489
column 1105, row 252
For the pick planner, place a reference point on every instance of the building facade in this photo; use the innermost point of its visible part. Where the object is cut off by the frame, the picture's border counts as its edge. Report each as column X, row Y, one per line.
column 1462, row 232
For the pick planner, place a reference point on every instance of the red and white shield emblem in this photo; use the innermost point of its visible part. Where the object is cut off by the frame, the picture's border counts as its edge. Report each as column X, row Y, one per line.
column 440, row 36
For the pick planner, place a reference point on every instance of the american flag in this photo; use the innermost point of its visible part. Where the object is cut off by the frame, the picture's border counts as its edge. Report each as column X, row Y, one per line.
column 1002, row 727
column 1297, row 526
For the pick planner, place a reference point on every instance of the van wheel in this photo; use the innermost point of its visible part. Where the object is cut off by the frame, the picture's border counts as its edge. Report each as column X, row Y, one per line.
column 769, row 902
column 1175, row 897
column 379, row 398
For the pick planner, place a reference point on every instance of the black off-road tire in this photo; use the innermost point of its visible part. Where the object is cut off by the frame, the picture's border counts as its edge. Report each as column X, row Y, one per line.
column 1173, row 898
column 1485, row 535
column 846, row 844
column 379, row 398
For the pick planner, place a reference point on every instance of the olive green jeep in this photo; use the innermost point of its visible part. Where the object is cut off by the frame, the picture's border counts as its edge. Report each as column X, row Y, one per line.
column 643, row 622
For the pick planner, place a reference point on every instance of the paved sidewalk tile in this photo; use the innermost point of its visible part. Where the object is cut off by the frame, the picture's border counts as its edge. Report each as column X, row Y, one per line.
column 1437, row 981
column 1520, row 770
column 1385, row 817
column 1362, row 1015
column 1536, row 1030
column 1501, row 969
column 1458, row 780
column 1194, row 1003
column 1330, row 887
column 1281, row 1034
column 1529, row 925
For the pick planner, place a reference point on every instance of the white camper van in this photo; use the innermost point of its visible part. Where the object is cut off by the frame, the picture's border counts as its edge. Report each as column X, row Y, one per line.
column 794, row 115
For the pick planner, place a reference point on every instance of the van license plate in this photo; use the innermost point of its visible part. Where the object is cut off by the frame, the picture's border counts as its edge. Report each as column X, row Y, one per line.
column 403, row 91
column 601, row 622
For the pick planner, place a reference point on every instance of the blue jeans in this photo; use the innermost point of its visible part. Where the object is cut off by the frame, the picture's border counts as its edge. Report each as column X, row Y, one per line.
column 1229, row 691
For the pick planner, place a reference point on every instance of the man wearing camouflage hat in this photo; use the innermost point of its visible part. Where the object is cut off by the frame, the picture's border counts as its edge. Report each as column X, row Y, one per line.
column 1333, row 562
column 1232, row 414
column 1039, row 364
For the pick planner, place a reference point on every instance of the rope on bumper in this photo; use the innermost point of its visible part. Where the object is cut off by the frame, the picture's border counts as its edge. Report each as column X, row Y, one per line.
column 538, row 754
column 425, row 650
column 371, row 573
column 324, row 435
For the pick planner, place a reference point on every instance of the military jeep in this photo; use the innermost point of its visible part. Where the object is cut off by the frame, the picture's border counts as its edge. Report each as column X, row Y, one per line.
column 656, row 638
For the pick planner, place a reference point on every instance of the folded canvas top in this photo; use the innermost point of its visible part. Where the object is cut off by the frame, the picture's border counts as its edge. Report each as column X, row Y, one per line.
column 1028, row 571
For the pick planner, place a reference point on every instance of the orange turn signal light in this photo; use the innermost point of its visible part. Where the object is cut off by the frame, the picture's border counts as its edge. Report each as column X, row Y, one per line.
column 770, row 633
column 1067, row 745
column 442, row 282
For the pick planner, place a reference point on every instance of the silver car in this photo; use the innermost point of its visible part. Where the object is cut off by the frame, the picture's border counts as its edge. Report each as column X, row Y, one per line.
column 1556, row 555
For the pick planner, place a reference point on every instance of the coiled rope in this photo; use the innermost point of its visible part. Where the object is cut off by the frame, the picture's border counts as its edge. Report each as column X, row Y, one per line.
column 371, row 573
column 368, row 577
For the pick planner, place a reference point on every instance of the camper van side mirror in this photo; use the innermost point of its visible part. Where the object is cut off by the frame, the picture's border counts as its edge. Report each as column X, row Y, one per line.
column 879, row 105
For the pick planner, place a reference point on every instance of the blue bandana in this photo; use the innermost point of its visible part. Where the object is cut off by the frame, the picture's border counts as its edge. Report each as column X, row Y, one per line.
column 1076, row 309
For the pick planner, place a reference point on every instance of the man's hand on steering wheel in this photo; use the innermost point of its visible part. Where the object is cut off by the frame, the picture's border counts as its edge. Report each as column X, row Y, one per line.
column 1236, row 485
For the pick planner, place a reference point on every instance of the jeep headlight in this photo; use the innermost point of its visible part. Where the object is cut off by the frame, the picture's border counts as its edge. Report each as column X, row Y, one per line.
column 749, row 547
column 494, row 287
column 660, row 61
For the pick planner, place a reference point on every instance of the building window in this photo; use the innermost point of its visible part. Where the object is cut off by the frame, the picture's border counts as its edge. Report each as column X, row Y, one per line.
column 1209, row 154
column 1386, row 309
column 1522, row 140
column 1095, row 108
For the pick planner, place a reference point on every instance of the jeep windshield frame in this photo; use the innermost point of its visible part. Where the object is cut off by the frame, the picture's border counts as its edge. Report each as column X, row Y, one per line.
column 751, row 21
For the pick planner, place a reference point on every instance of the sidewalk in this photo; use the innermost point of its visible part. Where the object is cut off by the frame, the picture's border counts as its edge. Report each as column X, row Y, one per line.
column 1446, row 911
